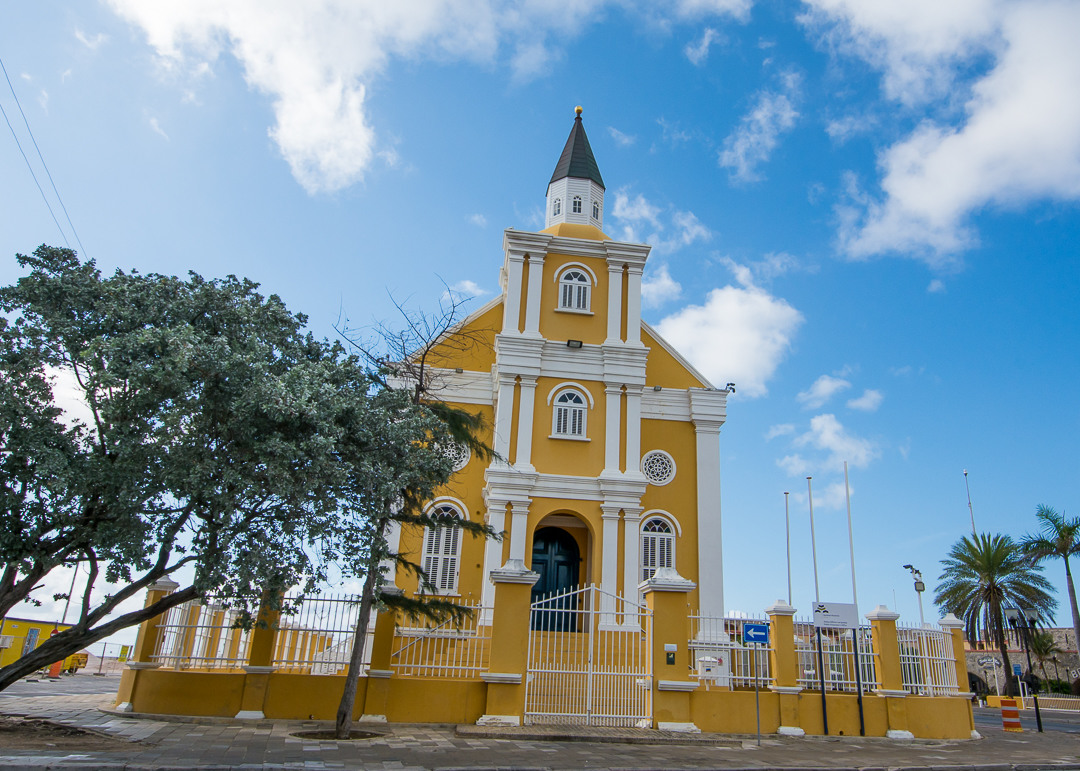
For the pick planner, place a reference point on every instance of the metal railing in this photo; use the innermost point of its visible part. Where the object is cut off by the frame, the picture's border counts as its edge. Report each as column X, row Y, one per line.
column 448, row 649
column 317, row 639
column 927, row 666
column 201, row 635
column 838, row 655
column 719, row 655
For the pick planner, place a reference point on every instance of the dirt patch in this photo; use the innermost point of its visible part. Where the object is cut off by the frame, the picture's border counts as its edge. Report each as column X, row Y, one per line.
column 27, row 733
column 328, row 735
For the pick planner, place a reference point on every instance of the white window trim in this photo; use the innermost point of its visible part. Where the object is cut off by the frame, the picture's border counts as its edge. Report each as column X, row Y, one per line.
column 584, row 408
column 596, row 210
column 579, row 202
column 671, row 538
column 556, row 207
column 440, row 557
column 571, row 384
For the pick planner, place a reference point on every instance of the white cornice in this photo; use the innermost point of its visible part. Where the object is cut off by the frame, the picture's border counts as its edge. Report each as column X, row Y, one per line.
column 468, row 387
column 668, row 404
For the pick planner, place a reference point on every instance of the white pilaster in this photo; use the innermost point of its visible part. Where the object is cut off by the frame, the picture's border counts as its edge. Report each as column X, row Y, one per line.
column 512, row 302
column 613, row 412
column 519, row 526
column 532, row 299
column 609, row 569
column 496, row 518
column 631, row 553
column 393, row 543
column 710, row 539
column 633, row 428
column 523, row 457
column 633, row 304
column 504, row 417
column 614, row 303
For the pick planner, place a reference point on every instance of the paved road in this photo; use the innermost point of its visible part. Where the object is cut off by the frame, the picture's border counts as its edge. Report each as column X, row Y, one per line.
column 1053, row 720
column 271, row 744
column 82, row 683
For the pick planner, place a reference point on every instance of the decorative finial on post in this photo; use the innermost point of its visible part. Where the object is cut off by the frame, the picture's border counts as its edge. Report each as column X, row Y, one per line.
column 578, row 110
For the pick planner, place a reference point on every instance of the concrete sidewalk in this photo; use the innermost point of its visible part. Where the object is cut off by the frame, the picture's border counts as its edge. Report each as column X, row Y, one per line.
column 158, row 743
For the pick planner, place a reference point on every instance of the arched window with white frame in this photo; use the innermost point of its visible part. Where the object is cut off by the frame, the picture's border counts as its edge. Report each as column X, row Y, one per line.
column 575, row 290
column 657, row 546
column 568, row 420
column 577, row 204
column 442, row 549
column 596, row 210
column 556, row 207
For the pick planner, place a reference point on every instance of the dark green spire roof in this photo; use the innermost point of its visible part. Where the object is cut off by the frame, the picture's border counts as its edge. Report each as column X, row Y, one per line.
column 577, row 160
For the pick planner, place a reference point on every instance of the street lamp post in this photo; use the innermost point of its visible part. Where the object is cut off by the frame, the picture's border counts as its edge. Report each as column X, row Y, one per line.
column 1023, row 620
column 920, row 587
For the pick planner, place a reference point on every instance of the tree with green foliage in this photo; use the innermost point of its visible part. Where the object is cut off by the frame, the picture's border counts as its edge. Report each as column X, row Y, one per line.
column 1044, row 648
column 983, row 577
column 223, row 443
column 402, row 362
column 1058, row 537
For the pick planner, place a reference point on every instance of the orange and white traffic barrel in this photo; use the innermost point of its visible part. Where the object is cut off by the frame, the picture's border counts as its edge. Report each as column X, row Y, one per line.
column 1010, row 716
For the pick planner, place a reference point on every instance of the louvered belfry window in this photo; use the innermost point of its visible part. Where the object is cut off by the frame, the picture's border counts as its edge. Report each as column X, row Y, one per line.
column 569, row 414
column 574, row 287
column 442, row 550
column 657, row 547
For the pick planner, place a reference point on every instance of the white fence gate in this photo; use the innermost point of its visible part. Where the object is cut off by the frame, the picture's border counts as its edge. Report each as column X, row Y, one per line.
column 589, row 660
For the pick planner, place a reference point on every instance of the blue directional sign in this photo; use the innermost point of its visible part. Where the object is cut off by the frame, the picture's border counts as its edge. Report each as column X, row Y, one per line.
column 755, row 633
column 1016, row 670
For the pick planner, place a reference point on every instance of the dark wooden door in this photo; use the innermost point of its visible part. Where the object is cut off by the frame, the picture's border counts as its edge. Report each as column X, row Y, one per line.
column 557, row 559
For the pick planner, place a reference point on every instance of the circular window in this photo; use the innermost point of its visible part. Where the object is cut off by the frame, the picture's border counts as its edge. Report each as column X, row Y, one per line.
column 658, row 467
column 459, row 455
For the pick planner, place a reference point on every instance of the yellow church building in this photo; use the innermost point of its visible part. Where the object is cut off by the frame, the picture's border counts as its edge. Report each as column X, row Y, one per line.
column 604, row 602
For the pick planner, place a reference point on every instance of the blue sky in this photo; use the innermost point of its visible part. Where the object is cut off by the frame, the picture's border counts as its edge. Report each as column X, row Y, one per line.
column 863, row 214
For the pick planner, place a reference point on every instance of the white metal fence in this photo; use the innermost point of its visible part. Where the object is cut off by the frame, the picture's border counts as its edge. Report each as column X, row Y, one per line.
column 720, row 656
column 451, row 649
column 317, row 639
column 838, row 655
column 201, row 635
column 585, row 667
column 927, row 666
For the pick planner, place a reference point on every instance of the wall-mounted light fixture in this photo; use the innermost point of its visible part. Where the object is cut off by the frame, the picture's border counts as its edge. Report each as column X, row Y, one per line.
column 658, row 388
column 573, row 343
column 458, row 370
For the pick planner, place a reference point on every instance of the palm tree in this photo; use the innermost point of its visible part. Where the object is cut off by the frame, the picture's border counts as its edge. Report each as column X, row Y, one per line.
column 1057, row 537
column 1043, row 647
column 982, row 577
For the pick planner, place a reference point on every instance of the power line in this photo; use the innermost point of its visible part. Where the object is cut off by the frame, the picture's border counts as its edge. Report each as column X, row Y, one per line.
column 43, row 164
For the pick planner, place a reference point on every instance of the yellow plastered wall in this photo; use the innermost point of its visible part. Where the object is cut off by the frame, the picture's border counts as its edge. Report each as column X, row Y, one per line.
column 665, row 370
column 473, row 346
column 568, row 456
column 566, row 325
column 679, row 496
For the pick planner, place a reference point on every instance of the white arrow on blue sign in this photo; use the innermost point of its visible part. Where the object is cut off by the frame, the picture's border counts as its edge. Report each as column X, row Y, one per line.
column 755, row 633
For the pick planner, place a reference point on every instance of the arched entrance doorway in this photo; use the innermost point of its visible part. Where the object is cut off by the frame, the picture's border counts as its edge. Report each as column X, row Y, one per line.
column 556, row 558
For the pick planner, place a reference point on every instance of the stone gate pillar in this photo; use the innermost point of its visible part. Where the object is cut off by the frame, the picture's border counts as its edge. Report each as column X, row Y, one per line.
column 509, row 645
column 665, row 596
column 785, row 667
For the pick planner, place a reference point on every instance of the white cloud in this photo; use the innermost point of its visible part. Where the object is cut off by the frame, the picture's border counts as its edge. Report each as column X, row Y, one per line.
column 635, row 210
column 1016, row 142
column 842, row 129
column 740, row 335
column 671, row 133
column 659, row 288
column 772, row 265
column 156, row 126
column 68, row 396
column 869, row 401
column 641, row 221
column 781, row 429
column 822, row 389
column 936, row 286
column 317, row 60
column 831, row 496
column 477, row 219
column 758, row 133
column 621, row 139
column 828, row 435
column 464, row 290
column 93, row 43
column 698, row 52
column 794, row 465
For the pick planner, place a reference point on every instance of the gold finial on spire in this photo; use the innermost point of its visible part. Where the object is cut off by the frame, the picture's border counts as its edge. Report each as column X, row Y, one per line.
column 578, row 110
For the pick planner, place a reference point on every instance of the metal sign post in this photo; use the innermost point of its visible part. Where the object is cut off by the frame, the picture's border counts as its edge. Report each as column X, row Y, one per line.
column 756, row 635
column 841, row 615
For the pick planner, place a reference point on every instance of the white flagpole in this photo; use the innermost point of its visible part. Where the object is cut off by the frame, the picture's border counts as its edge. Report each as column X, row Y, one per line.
column 787, row 529
column 851, row 539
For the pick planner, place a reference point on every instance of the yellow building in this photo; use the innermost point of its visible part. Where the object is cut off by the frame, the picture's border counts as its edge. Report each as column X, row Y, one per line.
column 19, row 636
column 604, row 603
column 607, row 440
